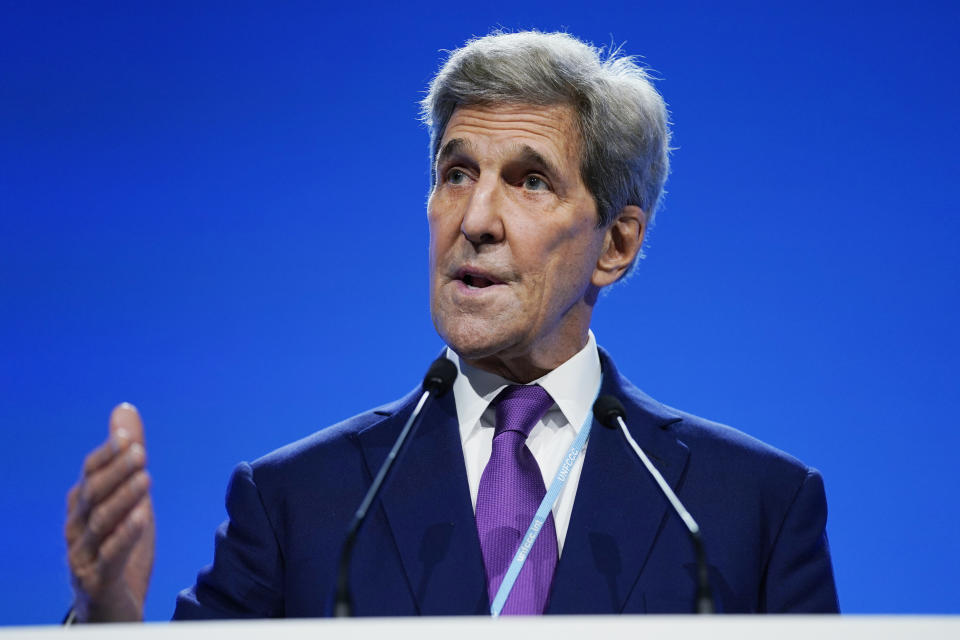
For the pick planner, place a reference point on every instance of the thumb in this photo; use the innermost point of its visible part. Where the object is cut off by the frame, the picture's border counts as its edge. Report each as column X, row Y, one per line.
column 125, row 421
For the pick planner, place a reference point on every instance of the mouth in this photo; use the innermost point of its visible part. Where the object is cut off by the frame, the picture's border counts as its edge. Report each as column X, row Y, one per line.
column 476, row 279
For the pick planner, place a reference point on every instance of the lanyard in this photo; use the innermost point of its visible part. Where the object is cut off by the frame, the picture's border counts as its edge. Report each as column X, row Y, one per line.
column 540, row 517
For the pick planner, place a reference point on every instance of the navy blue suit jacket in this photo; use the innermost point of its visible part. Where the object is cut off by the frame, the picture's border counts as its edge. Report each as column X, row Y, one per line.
column 762, row 513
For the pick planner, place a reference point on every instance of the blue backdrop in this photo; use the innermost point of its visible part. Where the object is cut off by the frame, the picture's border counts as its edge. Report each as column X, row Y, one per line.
column 196, row 198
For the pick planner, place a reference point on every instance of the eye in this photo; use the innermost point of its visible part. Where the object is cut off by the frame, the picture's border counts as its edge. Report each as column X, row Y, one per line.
column 456, row 176
column 534, row 182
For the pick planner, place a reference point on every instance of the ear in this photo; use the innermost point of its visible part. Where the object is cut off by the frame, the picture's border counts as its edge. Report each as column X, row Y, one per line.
column 621, row 244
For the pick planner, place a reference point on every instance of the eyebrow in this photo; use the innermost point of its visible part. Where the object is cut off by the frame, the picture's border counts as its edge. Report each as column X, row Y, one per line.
column 528, row 154
column 453, row 147
column 521, row 153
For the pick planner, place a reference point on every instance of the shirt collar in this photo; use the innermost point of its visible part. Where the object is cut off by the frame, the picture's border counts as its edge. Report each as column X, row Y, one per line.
column 573, row 386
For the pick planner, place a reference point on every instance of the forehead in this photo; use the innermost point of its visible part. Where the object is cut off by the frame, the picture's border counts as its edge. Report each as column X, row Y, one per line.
column 499, row 128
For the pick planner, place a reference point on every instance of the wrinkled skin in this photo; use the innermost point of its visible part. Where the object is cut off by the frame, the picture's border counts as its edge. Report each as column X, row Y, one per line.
column 516, row 257
column 110, row 528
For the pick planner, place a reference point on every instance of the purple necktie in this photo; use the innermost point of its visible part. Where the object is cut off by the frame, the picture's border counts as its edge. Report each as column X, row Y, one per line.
column 511, row 489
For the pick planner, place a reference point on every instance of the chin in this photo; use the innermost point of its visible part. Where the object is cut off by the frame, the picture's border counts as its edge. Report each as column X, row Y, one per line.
column 474, row 339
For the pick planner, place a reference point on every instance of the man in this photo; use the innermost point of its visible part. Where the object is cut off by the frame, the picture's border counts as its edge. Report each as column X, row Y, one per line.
column 548, row 165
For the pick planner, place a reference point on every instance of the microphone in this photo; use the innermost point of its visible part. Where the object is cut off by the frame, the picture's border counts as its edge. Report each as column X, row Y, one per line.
column 609, row 411
column 436, row 383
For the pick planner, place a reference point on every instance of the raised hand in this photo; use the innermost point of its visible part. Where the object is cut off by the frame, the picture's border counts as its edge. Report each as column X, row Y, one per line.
column 110, row 527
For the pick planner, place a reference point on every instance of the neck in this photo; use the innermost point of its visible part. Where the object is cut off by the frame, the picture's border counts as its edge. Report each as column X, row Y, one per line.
column 532, row 364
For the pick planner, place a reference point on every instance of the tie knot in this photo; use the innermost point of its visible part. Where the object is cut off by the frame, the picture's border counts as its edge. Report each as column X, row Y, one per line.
column 520, row 407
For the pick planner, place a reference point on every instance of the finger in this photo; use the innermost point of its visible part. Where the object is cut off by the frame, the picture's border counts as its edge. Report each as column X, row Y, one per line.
column 102, row 455
column 125, row 427
column 106, row 516
column 78, row 554
column 76, row 517
column 125, row 418
column 117, row 546
column 94, row 572
column 90, row 560
column 77, row 506
column 96, row 487
column 73, row 495
column 81, row 556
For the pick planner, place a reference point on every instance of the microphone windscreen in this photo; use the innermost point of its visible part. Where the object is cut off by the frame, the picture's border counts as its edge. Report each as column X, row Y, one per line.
column 606, row 409
column 440, row 377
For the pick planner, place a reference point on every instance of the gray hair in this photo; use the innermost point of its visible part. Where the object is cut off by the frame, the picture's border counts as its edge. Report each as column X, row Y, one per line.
column 622, row 120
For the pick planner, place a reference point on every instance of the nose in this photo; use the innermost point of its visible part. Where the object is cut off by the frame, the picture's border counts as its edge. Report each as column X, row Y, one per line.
column 482, row 221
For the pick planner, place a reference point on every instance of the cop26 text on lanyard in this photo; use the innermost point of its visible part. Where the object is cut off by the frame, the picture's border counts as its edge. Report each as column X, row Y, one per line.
column 543, row 512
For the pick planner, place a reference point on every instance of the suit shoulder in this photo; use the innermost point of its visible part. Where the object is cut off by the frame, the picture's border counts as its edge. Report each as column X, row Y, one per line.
column 718, row 445
column 728, row 445
column 329, row 444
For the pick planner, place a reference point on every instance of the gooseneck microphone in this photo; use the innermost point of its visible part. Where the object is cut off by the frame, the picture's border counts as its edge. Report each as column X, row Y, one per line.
column 609, row 411
column 439, row 379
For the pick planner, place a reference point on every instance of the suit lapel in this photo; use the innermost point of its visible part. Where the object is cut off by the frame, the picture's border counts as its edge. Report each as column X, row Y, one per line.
column 428, row 509
column 618, row 509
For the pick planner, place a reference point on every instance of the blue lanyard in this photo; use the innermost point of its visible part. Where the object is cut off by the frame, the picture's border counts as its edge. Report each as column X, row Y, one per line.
column 543, row 512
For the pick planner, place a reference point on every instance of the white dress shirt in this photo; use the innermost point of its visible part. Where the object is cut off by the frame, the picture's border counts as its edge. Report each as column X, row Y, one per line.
column 572, row 386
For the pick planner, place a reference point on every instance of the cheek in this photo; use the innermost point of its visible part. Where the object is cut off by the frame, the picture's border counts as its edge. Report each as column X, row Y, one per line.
column 437, row 237
column 569, row 249
column 442, row 222
column 571, row 266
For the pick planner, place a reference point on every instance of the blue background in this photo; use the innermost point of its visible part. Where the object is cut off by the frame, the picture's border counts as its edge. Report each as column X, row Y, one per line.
column 216, row 211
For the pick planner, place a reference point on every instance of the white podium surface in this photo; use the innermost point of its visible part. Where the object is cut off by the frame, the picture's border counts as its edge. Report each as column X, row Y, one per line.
column 508, row 628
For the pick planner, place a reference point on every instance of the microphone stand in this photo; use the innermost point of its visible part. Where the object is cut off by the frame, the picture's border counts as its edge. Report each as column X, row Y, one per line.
column 437, row 382
column 610, row 412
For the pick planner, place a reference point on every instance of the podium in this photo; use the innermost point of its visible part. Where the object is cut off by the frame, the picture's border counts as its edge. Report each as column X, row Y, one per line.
column 525, row 628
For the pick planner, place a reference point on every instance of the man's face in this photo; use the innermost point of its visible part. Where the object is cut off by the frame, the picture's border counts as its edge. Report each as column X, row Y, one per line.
column 513, row 239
